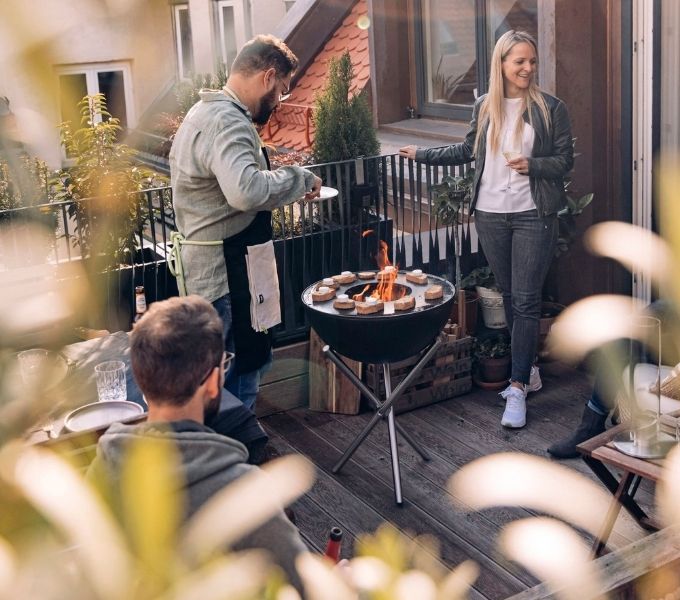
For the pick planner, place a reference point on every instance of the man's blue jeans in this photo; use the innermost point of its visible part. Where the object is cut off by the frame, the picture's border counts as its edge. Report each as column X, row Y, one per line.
column 246, row 385
column 519, row 248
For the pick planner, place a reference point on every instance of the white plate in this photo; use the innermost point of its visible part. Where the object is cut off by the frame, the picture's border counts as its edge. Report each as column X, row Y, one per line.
column 325, row 193
column 100, row 414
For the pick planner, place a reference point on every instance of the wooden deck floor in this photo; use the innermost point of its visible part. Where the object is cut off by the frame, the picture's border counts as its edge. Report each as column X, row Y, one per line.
column 456, row 431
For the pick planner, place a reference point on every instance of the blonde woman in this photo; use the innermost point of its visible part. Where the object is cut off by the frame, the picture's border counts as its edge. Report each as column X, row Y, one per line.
column 520, row 139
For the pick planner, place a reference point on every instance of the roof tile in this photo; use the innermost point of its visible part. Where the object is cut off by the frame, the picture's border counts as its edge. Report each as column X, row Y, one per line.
column 289, row 123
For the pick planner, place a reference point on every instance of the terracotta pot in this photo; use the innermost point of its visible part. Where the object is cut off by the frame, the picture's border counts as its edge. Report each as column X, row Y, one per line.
column 471, row 310
column 493, row 370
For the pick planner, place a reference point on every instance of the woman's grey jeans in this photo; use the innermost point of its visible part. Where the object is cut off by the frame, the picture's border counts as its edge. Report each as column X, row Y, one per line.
column 519, row 247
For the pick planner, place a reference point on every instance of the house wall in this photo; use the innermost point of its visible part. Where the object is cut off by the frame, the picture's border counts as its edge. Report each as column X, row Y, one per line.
column 390, row 59
column 38, row 35
column 588, row 79
column 266, row 15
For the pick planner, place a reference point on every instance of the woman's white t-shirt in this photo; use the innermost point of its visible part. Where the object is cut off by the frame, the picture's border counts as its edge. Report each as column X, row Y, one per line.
column 502, row 189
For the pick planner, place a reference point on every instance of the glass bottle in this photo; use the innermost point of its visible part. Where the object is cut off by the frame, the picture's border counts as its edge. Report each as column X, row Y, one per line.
column 140, row 303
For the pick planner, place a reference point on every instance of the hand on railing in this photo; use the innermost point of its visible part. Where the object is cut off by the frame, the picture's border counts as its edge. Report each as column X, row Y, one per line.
column 408, row 152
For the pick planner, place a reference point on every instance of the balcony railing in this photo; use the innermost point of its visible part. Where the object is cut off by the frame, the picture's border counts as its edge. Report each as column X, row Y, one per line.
column 383, row 198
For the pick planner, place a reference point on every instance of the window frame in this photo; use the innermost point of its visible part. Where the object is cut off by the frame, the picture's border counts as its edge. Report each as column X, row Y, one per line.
column 462, row 112
column 241, row 28
column 176, row 8
column 91, row 70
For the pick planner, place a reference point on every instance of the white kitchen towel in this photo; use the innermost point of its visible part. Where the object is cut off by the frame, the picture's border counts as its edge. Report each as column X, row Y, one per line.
column 263, row 281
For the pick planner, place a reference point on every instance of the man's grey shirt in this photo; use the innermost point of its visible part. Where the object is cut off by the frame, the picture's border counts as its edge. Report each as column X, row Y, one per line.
column 220, row 181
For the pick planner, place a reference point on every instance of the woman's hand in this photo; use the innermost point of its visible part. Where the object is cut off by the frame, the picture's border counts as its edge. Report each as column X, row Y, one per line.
column 519, row 165
column 408, row 152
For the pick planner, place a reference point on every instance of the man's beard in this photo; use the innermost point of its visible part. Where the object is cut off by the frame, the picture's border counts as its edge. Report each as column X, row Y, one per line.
column 267, row 106
column 212, row 409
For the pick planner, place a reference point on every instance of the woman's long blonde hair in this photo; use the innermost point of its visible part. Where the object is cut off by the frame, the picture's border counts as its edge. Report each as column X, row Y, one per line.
column 491, row 112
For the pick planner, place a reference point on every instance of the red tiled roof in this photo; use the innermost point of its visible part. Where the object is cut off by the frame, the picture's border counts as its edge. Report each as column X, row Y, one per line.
column 290, row 126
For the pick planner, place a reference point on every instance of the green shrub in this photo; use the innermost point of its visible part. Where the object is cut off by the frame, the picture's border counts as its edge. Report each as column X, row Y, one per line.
column 344, row 124
column 101, row 184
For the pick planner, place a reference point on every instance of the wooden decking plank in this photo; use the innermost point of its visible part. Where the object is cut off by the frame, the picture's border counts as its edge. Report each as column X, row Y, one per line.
column 425, row 485
column 494, row 581
column 480, row 418
column 341, row 507
column 448, row 455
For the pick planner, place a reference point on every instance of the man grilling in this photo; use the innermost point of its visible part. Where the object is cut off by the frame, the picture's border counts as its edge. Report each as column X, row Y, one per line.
column 223, row 194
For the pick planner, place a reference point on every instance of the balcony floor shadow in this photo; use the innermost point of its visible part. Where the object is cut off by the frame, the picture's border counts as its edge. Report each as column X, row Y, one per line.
column 456, row 431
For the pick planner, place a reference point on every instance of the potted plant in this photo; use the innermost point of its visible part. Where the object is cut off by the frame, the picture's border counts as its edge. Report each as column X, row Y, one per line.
column 491, row 358
column 444, row 86
column 490, row 297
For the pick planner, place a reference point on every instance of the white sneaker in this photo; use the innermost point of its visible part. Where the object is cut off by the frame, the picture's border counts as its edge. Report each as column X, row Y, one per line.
column 515, row 414
column 535, row 382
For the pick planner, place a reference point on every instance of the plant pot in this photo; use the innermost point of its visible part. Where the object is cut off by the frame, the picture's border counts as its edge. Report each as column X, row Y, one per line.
column 549, row 312
column 493, row 312
column 471, row 312
column 493, row 370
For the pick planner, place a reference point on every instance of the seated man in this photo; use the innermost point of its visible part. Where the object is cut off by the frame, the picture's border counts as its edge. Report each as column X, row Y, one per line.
column 177, row 357
column 603, row 398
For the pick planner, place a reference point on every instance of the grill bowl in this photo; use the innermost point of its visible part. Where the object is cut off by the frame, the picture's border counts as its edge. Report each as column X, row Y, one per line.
column 381, row 338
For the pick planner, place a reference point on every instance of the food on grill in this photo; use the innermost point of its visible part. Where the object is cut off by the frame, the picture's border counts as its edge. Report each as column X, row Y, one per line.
column 323, row 293
column 344, row 304
column 345, row 277
column 434, row 292
column 405, row 303
column 370, row 307
column 416, row 276
column 328, row 282
column 366, row 274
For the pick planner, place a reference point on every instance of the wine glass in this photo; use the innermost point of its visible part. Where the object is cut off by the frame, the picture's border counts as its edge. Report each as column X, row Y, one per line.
column 511, row 150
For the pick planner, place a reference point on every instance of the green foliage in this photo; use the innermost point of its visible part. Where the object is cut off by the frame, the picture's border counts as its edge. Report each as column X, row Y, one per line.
column 344, row 124
column 444, row 86
column 27, row 185
column 481, row 276
column 101, row 184
column 495, row 346
column 566, row 219
column 450, row 196
column 186, row 92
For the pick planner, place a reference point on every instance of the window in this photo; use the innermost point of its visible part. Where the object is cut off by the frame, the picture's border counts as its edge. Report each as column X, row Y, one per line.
column 110, row 79
column 233, row 31
column 183, row 44
column 455, row 41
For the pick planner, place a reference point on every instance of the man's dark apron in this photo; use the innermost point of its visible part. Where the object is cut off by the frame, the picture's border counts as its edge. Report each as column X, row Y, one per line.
column 252, row 348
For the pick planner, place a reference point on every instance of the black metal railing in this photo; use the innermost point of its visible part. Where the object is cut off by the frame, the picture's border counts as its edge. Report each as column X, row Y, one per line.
column 381, row 199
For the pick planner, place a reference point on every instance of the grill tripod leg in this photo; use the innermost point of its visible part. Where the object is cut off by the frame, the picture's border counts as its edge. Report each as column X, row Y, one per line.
column 394, row 452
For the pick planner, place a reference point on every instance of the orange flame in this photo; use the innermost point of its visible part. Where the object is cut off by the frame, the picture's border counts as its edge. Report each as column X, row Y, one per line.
column 385, row 290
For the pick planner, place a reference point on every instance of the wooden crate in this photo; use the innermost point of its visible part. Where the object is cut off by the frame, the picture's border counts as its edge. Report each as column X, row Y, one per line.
column 447, row 374
column 329, row 389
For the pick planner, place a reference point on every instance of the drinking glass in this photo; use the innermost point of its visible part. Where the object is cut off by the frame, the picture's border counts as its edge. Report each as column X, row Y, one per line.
column 511, row 150
column 110, row 377
column 33, row 365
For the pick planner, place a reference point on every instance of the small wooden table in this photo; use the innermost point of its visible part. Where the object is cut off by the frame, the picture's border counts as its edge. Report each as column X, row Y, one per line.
column 603, row 458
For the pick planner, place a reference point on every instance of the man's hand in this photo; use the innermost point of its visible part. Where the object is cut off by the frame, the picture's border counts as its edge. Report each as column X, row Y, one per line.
column 408, row 152
column 520, row 165
column 316, row 189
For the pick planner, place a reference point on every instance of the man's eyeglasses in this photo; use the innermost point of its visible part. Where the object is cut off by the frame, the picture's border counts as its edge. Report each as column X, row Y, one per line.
column 283, row 97
column 223, row 364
